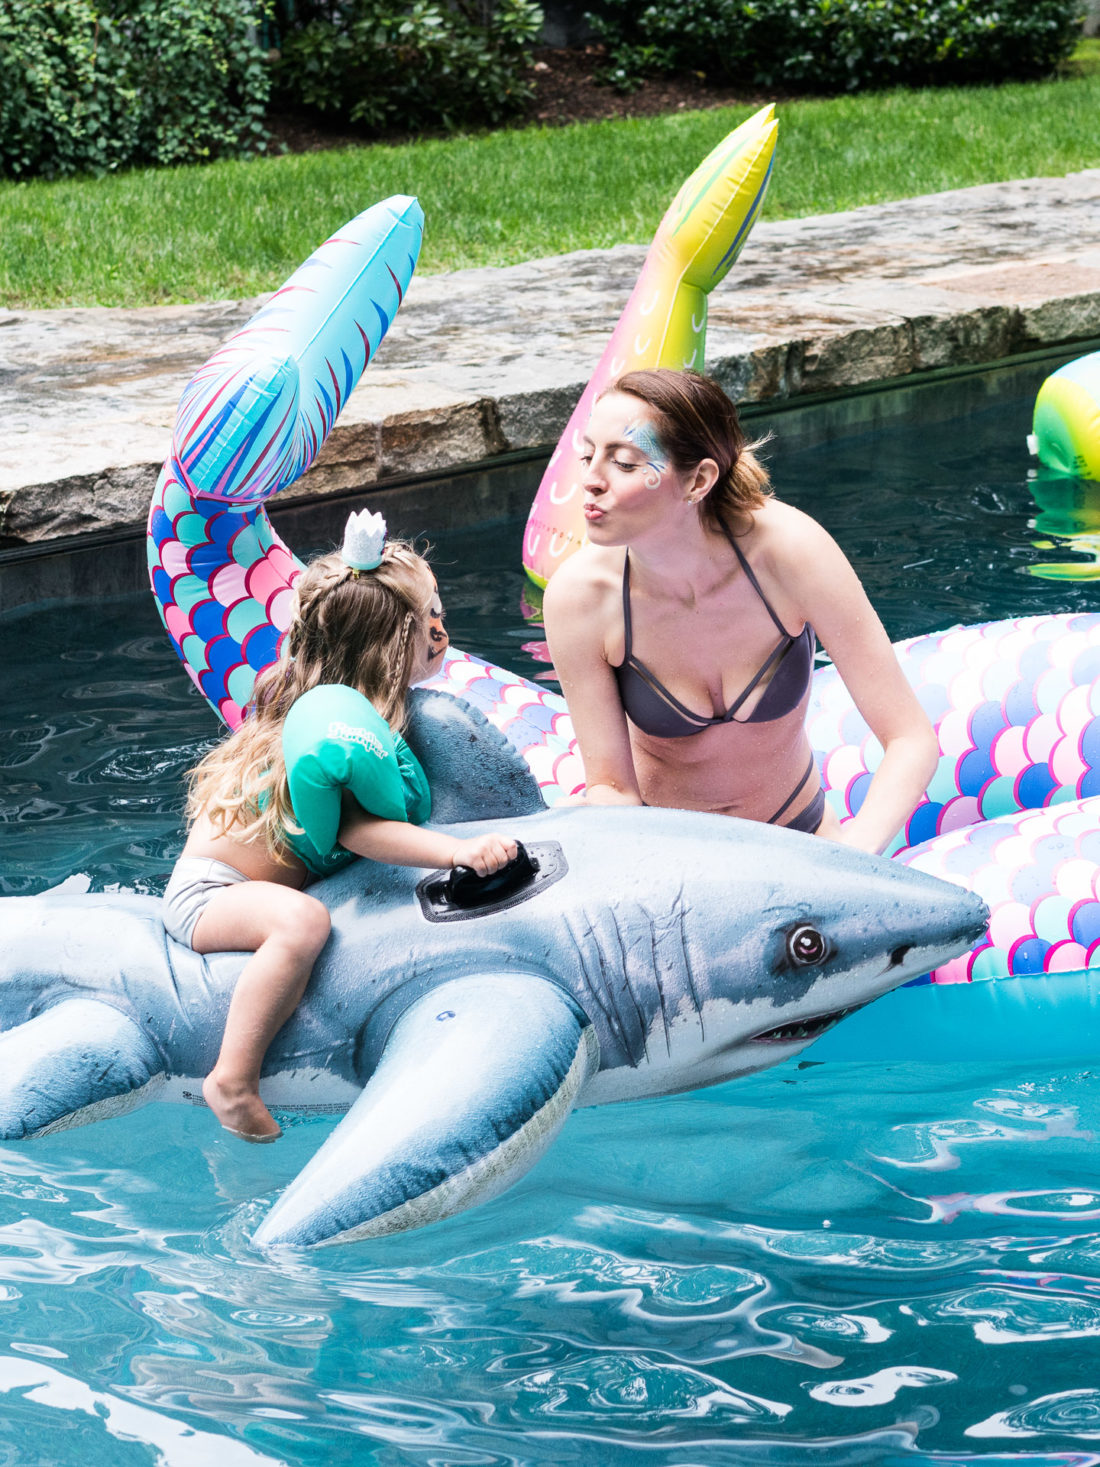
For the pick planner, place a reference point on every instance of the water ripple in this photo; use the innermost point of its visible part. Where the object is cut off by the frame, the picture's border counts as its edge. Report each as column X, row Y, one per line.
column 877, row 1389
column 644, row 1390
column 1000, row 1316
column 34, row 1391
column 1074, row 1414
column 837, row 1326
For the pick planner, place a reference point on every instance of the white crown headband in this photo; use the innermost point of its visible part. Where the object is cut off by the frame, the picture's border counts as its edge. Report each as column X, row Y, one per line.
column 364, row 540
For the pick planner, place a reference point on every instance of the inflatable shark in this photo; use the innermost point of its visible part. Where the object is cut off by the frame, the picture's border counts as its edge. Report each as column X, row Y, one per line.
column 458, row 1022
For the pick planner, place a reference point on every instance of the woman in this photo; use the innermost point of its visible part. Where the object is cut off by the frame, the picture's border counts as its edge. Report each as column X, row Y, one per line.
column 683, row 633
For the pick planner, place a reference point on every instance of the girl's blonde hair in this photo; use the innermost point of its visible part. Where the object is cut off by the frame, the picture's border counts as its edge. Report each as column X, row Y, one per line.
column 353, row 627
column 696, row 420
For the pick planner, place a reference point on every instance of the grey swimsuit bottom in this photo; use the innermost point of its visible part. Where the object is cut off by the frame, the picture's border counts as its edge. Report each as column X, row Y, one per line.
column 193, row 882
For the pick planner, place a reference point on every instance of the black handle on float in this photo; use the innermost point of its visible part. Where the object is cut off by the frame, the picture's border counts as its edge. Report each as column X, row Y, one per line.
column 466, row 889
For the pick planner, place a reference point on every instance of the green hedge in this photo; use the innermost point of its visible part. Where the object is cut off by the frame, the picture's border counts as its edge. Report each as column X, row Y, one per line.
column 88, row 86
column 837, row 45
column 390, row 64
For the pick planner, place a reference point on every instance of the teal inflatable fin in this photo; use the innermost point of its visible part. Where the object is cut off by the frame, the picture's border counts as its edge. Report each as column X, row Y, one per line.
column 77, row 1062
column 476, row 1079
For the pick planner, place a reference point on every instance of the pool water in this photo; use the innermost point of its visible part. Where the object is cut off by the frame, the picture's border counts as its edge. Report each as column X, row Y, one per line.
column 862, row 1263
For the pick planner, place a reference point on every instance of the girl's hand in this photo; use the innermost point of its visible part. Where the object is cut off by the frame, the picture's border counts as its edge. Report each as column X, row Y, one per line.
column 485, row 853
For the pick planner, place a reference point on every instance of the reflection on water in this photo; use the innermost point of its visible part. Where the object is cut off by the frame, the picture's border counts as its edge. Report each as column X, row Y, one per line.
column 1070, row 515
column 839, row 1264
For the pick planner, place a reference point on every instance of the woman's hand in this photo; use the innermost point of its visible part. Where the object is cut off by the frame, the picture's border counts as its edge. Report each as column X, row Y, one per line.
column 484, row 853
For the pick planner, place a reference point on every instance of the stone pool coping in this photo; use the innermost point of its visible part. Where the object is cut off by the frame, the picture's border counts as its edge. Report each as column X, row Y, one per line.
column 485, row 365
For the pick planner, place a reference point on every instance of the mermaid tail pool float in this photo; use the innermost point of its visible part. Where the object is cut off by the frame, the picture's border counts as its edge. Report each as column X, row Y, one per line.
column 664, row 323
column 250, row 423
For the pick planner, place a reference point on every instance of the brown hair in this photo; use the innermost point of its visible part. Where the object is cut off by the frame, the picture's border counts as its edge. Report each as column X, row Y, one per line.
column 356, row 628
column 695, row 420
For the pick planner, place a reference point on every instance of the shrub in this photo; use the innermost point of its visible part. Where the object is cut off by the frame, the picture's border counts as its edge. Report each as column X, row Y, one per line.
column 384, row 63
column 837, row 45
column 87, row 86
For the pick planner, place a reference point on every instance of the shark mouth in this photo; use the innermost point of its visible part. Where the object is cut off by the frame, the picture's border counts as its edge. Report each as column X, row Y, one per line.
column 804, row 1030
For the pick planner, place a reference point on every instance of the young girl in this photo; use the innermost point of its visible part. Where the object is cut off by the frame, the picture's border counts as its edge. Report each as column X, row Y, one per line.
column 372, row 622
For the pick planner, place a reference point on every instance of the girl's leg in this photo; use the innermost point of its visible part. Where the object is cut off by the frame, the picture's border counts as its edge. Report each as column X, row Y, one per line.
column 286, row 930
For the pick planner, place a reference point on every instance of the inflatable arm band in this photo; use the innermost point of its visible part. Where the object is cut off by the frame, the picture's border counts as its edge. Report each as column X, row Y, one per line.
column 335, row 740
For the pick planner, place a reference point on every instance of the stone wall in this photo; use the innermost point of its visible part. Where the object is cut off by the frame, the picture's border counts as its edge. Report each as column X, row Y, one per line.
column 484, row 364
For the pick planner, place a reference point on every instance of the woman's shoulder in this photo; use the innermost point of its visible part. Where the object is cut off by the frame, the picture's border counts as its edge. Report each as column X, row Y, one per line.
column 784, row 538
column 585, row 583
column 803, row 570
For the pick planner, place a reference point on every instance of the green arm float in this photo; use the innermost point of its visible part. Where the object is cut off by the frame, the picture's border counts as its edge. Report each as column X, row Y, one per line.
column 418, row 796
column 335, row 740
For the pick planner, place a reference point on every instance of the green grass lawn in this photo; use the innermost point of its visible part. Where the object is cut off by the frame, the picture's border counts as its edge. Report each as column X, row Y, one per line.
column 238, row 228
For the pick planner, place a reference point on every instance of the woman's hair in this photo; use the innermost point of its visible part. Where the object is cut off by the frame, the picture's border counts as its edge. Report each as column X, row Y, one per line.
column 353, row 627
column 695, row 420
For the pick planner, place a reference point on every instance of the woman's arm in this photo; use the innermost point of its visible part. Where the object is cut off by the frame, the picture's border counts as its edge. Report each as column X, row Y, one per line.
column 396, row 843
column 575, row 618
column 832, row 599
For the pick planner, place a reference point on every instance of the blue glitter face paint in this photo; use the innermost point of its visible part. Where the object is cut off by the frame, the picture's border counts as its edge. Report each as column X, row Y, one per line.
column 644, row 438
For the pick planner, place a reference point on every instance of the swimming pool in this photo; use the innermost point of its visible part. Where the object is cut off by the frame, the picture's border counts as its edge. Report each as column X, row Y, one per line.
column 827, row 1263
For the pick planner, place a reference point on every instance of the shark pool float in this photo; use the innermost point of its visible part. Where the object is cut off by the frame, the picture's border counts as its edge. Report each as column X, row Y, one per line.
column 643, row 954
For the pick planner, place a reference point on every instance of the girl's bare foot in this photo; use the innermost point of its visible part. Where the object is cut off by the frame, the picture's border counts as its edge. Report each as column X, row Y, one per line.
column 240, row 1110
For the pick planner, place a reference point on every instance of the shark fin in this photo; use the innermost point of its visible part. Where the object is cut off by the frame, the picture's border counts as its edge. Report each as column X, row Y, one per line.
column 476, row 1079
column 474, row 772
column 79, row 1061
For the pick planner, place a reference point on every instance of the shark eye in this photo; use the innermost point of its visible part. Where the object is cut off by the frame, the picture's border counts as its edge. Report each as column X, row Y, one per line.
column 805, row 946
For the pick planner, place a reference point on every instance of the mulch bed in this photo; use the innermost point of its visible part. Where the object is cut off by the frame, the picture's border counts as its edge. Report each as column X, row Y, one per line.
column 565, row 91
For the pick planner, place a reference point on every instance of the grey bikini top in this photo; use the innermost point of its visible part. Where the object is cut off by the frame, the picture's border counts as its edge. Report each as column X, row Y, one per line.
column 652, row 708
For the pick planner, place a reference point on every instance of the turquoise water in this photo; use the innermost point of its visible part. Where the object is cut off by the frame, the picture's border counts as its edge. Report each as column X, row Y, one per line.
column 872, row 1263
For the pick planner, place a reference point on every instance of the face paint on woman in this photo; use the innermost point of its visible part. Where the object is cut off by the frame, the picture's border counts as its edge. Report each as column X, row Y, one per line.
column 644, row 437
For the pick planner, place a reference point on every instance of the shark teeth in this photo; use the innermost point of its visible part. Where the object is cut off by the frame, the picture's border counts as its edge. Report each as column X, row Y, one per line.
column 805, row 1029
